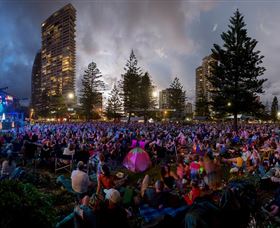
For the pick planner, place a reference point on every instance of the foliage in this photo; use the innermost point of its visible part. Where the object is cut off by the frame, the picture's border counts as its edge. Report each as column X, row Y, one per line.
column 114, row 105
column 235, row 74
column 146, row 99
column 177, row 98
column 22, row 205
column 90, row 93
column 58, row 106
column 130, row 85
column 274, row 109
column 202, row 107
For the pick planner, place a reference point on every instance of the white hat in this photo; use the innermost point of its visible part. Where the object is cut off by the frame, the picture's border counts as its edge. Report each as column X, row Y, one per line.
column 113, row 195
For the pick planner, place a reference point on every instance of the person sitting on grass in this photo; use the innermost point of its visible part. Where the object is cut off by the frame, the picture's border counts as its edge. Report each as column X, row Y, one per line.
column 112, row 214
column 237, row 163
column 195, row 166
column 273, row 208
column 8, row 167
column 155, row 196
column 82, row 216
column 105, row 179
column 168, row 177
column 193, row 194
column 80, row 179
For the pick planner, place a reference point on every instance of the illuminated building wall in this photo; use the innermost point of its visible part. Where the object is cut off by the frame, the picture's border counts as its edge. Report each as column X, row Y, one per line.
column 164, row 99
column 202, row 86
column 199, row 84
column 58, row 54
column 36, row 90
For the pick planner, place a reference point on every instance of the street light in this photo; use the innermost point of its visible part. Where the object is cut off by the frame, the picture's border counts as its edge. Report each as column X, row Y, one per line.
column 229, row 104
column 154, row 94
column 71, row 95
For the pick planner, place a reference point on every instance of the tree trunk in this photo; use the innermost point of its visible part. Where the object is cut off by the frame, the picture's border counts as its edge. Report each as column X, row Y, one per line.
column 145, row 117
column 129, row 115
column 235, row 122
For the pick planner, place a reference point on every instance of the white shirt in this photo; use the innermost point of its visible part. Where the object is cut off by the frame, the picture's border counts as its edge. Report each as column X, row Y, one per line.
column 8, row 169
column 68, row 152
column 80, row 181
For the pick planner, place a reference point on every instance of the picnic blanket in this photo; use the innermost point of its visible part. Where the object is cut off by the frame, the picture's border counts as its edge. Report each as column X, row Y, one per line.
column 150, row 214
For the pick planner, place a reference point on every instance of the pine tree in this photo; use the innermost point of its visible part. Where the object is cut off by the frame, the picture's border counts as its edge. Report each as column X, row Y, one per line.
column 146, row 99
column 177, row 98
column 274, row 109
column 236, row 75
column 130, row 85
column 59, row 108
column 114, row 105
column 90, row 92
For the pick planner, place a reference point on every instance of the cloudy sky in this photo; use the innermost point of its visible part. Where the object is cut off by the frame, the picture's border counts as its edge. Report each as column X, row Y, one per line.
column 169, row 37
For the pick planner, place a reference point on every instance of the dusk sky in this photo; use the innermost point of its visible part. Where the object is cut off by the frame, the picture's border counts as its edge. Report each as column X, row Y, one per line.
column 169, row 37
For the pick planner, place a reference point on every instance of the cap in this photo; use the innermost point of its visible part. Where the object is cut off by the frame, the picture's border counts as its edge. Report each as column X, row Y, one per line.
column 113, row 195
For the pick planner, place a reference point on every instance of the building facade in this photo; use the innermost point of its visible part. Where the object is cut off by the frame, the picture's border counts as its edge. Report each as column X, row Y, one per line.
column 165, row 99
column 58, row 56
column 207, row 63
column 203, row 86
column 36, row 93
column 199, row 84
column 189, row 109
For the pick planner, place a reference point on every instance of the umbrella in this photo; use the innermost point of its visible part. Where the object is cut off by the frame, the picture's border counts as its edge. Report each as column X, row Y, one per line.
column 137, row 160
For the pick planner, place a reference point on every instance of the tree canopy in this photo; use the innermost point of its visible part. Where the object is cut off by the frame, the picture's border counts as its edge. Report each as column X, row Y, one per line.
column 274, row 109
column 177, row 98
column 235, row 76
column 90, row 95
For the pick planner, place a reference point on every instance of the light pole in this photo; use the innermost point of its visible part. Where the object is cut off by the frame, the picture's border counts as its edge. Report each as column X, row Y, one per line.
column 164, row 114
column 155, row 94
column 70, row 96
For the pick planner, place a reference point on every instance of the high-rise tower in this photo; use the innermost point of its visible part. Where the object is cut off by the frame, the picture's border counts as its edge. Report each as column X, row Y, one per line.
column 203, row 87
column 58, row 55
column 36, row 93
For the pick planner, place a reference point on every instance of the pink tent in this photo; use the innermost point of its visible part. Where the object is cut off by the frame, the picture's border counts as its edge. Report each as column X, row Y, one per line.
column 137, row 160
column 134, row 143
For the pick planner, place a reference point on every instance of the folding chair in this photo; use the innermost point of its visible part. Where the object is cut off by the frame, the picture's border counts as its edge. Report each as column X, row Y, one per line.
column 64, row 162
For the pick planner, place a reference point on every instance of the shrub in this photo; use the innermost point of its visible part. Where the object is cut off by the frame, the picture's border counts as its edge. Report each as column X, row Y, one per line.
column 22, row 205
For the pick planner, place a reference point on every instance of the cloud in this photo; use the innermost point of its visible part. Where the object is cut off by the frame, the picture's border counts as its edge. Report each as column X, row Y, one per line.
column 170, row 38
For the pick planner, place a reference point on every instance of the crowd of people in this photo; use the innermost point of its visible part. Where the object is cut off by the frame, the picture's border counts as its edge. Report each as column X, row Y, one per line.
column 192, row 161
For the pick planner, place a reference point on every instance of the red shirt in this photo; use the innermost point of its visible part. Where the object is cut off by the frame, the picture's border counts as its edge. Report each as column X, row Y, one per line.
column 194, row 193
column 195, row 166
column 106, row 182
